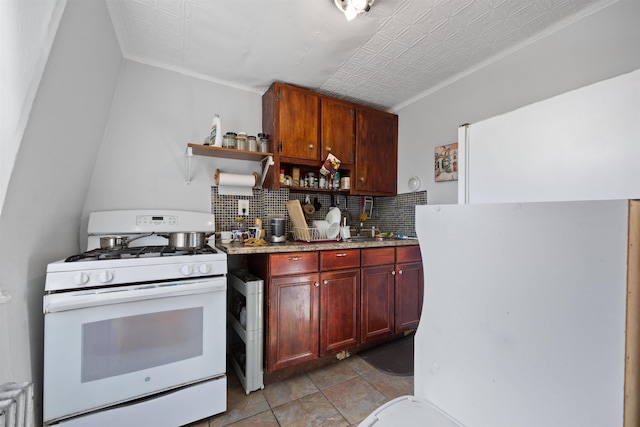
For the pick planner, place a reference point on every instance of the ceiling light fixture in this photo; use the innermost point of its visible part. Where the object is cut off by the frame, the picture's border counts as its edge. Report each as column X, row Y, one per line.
column 352, row 8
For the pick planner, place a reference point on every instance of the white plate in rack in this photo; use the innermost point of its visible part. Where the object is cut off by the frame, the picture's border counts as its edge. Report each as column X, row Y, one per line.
column 333, row 230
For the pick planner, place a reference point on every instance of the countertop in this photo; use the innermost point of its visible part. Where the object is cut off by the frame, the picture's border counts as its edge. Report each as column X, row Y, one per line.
column 289, row 246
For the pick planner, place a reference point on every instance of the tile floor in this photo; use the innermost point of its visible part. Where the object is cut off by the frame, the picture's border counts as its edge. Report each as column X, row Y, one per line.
column 341, row 394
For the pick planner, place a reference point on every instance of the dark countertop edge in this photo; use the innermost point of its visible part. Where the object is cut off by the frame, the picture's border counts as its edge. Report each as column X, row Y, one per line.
column 236, row 249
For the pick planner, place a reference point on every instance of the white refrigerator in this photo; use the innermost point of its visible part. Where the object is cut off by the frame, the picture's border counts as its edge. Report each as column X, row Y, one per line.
column 531, row 313
column 580, row 145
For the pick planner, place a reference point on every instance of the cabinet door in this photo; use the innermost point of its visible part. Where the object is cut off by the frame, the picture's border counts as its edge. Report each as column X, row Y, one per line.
column 376, row 166
column 337, row 130
column 339, row 319
column 298, row 130
column 377, row 302
column 293, row 320
column 408, row 296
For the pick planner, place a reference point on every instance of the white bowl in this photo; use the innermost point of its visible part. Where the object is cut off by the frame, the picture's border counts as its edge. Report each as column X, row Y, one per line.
column 334, row 216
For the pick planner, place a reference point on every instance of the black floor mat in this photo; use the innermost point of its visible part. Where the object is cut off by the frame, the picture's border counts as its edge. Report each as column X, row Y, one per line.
column 395, row 358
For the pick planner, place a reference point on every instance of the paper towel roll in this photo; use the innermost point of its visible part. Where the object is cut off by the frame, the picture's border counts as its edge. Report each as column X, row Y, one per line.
column 235, row 184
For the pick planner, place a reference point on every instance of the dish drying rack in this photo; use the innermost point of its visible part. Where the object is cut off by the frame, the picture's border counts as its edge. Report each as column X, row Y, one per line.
column 312, row 235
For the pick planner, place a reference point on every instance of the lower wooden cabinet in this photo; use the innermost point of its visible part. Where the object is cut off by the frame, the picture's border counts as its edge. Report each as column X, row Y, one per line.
column 292, row 311
column 408, row 296
column 392, row 291
column 377, row 302
column 339, row 306
column 321, row 303
column 293, row 318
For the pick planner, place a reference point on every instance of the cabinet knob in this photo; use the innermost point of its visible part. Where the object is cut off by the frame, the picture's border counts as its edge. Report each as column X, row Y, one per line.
column 399, row 271
column 311, row 146
column 393, row 272
column 317, row 284
column 326, row 282
column 328, row 148
column 362, row 179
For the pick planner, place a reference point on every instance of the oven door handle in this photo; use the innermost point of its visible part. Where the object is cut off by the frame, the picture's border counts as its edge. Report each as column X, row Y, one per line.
column 106, row 296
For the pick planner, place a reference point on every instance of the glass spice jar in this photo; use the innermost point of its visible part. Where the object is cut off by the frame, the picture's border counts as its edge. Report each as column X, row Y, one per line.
column 241, row 141
column 252, row 143
column 263, row 143
column 229, row 140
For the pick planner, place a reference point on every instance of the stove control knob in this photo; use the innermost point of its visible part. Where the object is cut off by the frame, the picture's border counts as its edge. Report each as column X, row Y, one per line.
column 81, row 278
column 186, row 269
column 105, row 276
column 205, row 268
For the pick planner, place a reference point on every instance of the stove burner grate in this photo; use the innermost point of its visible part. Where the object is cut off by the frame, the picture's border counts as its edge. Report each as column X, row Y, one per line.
column 137, row 252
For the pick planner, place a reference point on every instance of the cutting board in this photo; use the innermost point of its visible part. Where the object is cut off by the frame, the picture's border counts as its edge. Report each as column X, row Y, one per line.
column 297, row 219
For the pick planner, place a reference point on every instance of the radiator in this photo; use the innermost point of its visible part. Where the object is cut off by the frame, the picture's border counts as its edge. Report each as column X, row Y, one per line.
column 16, row 405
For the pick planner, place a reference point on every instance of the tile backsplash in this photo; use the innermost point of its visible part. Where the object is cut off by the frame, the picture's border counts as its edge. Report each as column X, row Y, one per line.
column 396, row 214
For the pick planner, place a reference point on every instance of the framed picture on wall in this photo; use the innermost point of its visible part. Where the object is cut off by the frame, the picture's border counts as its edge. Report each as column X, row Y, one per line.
column 446, row 162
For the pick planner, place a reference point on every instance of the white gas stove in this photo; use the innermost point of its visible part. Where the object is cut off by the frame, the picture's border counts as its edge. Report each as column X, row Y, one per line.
column 134, row 332
column 146, row 259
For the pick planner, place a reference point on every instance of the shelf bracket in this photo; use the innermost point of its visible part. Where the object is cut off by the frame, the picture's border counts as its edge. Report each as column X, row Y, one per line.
column 188, row 156
column 268, row 162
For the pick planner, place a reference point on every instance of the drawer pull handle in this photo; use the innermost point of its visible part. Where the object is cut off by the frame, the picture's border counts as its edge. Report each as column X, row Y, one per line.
column 341, row 255
column 400, row 272
column 326, row 282
column 317, row 284
column 393, row 272
column 295, row 258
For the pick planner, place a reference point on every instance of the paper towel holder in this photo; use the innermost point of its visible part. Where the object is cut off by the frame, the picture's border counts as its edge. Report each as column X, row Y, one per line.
column 255, row 175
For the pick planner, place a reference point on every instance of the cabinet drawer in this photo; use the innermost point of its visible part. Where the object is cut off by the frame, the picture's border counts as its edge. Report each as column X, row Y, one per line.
column 332, row 260
column 408, row 254
column 378, row 256
column 293, row 263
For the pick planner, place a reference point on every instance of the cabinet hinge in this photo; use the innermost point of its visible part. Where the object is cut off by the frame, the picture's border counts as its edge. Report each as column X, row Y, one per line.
column 279, row 96
column 279, row 146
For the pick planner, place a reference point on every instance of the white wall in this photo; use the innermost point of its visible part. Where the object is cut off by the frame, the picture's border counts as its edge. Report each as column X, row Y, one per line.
column 27, row 30
column 598, row 46
column 155, row 114
column 49, row 182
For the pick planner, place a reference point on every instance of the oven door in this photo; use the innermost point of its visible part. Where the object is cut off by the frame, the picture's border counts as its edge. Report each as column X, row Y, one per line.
column 107, row 346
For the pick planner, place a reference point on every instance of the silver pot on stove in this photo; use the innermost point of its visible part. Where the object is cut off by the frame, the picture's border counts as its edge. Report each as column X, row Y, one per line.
column 187, row 239
column 119, row 242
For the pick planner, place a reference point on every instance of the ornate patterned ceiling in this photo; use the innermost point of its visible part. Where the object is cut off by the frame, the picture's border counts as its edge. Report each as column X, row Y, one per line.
column 388, row 57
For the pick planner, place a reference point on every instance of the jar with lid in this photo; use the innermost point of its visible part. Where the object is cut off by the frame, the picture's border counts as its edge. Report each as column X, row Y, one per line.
column 263, row 143
column 239, row 230
column 241, row 141
column 229, row 140
column 252, row 143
